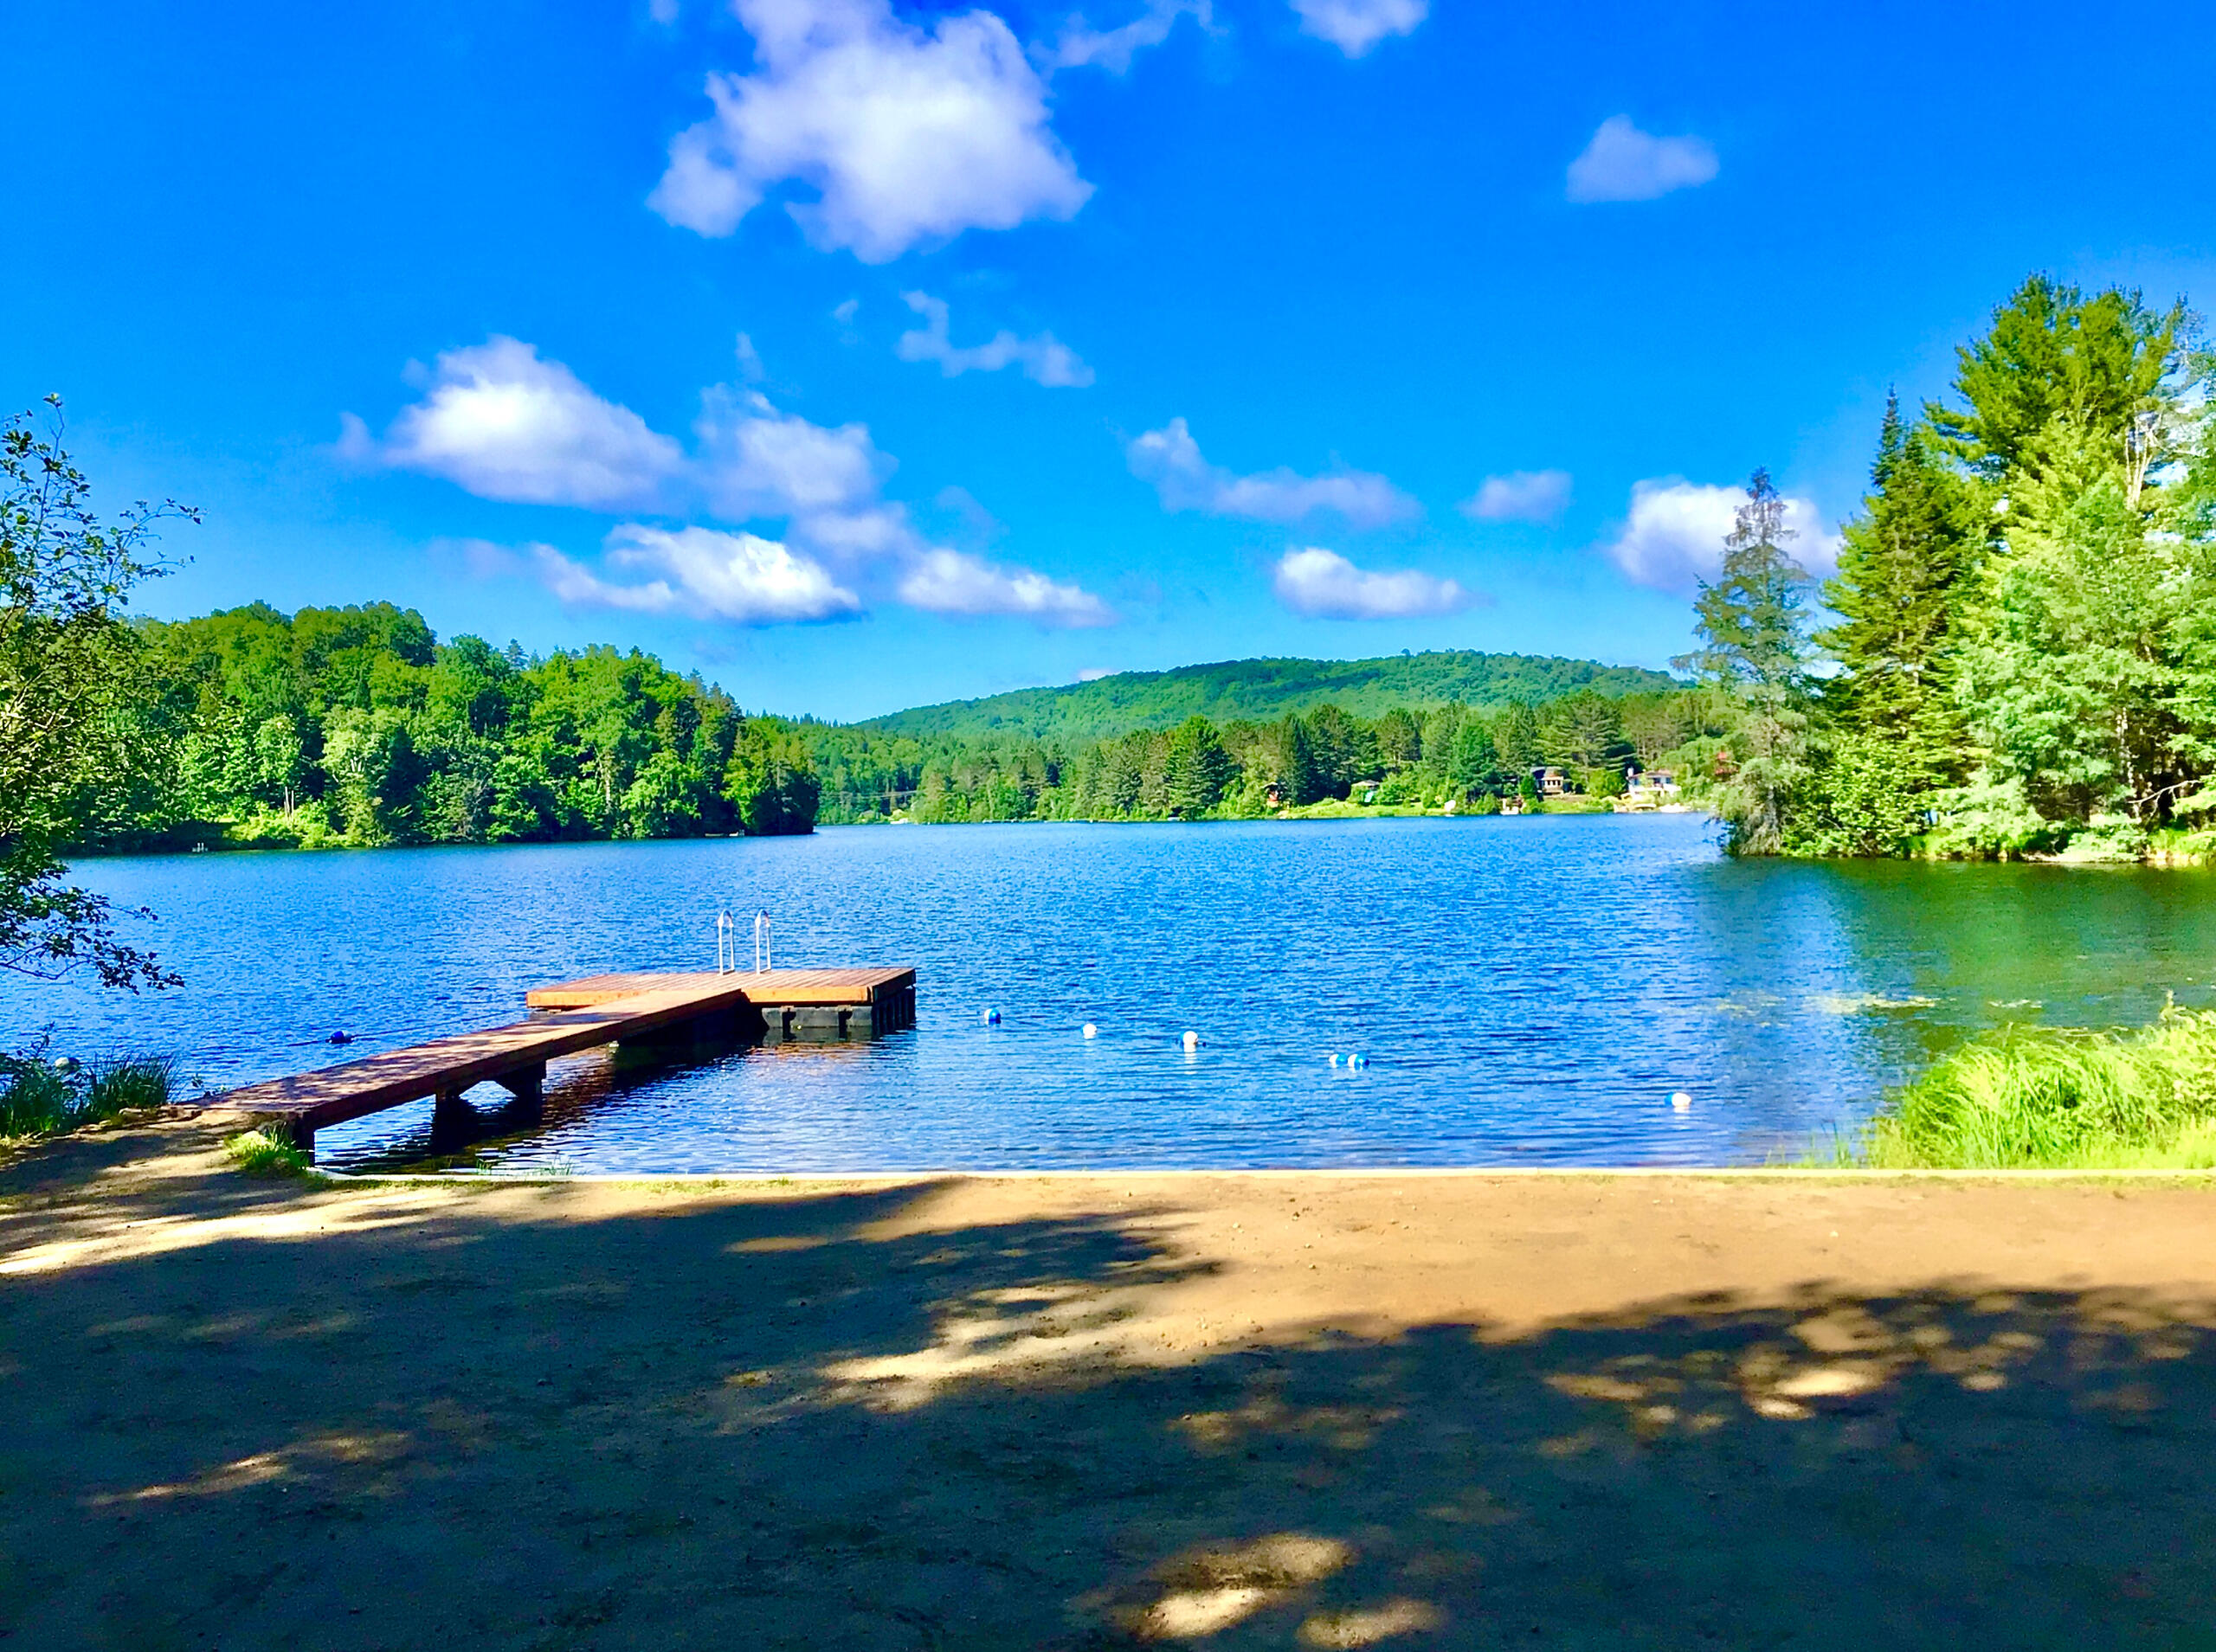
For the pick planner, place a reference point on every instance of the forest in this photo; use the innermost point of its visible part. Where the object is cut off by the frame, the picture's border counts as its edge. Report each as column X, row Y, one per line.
column 357, row 725
column 2017, row 654
column 251, row 728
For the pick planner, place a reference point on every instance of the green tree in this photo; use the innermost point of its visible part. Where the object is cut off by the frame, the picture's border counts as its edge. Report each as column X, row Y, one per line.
column 1904, row 577
column 1474, row 759
column 2053, row 353
column 1198, row 768
column 2069, row 679
column 1755, row 649
column 70, row 671
column 1515, row 737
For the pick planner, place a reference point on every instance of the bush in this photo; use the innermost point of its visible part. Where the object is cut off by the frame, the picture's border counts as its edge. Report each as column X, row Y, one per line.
column 2027, row 1098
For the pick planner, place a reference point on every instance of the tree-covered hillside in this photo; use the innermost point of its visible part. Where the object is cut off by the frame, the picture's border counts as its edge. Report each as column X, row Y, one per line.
column 1264, row 690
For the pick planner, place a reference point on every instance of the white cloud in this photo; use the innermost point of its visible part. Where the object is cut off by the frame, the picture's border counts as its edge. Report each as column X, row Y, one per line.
column 1044, row 358
column 1674, row 535
column 1520, row 496
column 1324, row 584
column 1172, row 460
column 1355, row 26
column 506, row 425
column 662, row 11
column 950, row 582
column 1096, row 673
column 1624, row 164
column 749, row 360
column 702, row 575
column 1079, row 45
column 907, row 136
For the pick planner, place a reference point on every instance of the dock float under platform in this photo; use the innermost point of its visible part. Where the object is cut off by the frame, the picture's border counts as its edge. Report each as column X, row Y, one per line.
column 657, row 1010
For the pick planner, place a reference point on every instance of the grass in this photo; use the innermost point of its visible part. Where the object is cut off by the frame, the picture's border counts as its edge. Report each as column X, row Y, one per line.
column 40, row 1097
column 2040, row 1099
column 265, row 1153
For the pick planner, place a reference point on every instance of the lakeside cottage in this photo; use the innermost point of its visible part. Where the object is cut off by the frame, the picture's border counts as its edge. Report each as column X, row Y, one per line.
column 1651, row 788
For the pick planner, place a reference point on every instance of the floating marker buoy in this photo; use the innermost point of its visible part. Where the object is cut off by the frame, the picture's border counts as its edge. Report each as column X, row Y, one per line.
column 1333, row 1058
column 992, row 1017
column 65, row 1063
column 1192, row 1039
column 1681, row 1102
column 1091, row 1030
column 342, row 1037
column 1357, row 1060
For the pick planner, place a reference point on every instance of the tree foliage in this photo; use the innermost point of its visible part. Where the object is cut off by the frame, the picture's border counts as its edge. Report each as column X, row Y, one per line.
column 70, row 673
column 1756, row 651
column 2025, row 655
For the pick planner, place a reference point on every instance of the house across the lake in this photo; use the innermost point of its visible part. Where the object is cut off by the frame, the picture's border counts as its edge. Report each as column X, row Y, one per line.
column 1651, row 788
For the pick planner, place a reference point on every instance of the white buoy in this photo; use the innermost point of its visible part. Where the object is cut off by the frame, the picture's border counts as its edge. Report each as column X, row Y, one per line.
column 1192, row 1039
column 1334, row 1059
column 1357, row 1060
column 1681, row 1101
column 992, row 1017
column 1091, row 1030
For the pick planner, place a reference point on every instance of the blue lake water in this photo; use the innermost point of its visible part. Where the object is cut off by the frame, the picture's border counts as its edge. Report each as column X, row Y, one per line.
column 1526, row 991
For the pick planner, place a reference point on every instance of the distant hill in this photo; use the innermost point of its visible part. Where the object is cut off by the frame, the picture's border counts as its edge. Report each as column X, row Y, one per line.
column 1264, row 689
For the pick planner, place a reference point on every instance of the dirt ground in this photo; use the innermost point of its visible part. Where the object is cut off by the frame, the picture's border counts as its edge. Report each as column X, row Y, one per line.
column 1234, row 1410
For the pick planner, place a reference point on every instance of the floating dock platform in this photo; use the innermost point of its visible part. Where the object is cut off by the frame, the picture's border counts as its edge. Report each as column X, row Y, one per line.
column 665, row 1012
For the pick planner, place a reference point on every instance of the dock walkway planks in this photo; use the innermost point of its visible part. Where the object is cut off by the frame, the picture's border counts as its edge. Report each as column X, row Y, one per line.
column 574, row 1016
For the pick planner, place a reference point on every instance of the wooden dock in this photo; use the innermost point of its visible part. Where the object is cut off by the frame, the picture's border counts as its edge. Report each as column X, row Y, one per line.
column 662, row 1011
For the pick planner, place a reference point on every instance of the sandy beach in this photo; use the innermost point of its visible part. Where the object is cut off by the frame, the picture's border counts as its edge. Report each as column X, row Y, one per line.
column 1252, row 1410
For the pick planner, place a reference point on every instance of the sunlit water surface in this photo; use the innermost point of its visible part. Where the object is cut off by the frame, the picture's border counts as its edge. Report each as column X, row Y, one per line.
column 1525, row 991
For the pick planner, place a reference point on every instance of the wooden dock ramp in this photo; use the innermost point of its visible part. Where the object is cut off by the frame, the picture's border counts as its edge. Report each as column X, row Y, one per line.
column 651, row 1009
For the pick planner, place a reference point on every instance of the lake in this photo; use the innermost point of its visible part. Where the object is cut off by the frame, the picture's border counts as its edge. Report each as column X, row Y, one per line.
column 1525, row 991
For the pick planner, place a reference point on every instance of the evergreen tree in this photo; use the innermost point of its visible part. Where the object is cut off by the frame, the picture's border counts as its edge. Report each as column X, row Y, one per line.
column 1198, row 768
column 1474, row 758
column 2053, row 353
column 1515, row 737
column 1899, row 593
column 1757, row 651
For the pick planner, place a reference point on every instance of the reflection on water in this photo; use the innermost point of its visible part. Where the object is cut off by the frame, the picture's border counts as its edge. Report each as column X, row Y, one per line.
column 1526, row 991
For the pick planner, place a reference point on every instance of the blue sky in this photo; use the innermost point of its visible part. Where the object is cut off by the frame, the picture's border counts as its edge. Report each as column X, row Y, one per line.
column 862, row 355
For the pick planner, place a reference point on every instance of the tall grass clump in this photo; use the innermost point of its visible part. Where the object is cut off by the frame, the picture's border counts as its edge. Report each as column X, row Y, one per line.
column 39, row 1097
column 2027, row 1098
column 266, row 1151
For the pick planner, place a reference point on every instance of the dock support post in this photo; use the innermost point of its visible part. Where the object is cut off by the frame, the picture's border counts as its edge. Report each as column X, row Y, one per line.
column 528, row 1086
column 452, row 1120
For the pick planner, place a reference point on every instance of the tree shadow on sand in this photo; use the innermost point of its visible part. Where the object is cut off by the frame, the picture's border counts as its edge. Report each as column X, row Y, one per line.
column 821, row 1421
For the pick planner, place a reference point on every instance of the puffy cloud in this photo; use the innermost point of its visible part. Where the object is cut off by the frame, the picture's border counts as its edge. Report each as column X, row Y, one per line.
column 1355, row 26
column 1624, row 164
column 1044, row 358
column 1326, row 585
column 506, row 425
column 1171, row 460
column 952, row 581
column 1079, row 46
column 1673, row 536
column 907, row 136
column 703, row 574
column 1520, row 496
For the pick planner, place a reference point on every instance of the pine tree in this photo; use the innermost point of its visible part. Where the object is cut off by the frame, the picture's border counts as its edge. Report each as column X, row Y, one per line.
column 2053, row 353
column 1901, row 583
column 1757, row 651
